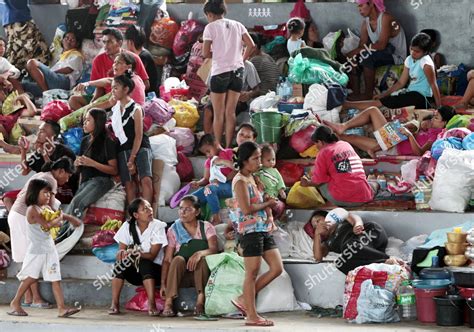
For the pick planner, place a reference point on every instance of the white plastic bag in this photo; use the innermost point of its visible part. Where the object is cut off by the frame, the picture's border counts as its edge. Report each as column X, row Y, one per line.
column 375, row 305
column 409, row 171
column 278, row 295
column 163, row 147
column 54, row 94
column 331, row 115
column 329, row 39
column 282, row 240
column 169, row 184
column 453, row 181
column 351, row 42
column 270, row 100
column 316, row 98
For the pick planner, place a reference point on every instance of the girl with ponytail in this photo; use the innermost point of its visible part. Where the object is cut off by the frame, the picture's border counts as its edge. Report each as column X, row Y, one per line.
column 140, row 254
column 338, row 171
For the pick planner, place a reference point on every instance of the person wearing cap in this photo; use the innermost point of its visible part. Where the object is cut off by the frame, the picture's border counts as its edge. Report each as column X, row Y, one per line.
column 358, row 243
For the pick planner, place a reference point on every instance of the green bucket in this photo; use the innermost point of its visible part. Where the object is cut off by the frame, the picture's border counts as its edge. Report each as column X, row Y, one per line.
column 268, row 126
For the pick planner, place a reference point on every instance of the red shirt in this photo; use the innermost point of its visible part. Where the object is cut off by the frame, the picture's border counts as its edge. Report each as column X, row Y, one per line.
column 339, row 166
column 102, row 67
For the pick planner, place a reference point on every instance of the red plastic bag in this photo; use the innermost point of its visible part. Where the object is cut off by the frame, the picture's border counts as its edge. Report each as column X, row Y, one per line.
column 103, row 238
column 300, row 10
column 163, row 32
column 98, row 216
column 158, row 110
column 290, row 172
column 197, row 88
column 139, row 302
column 301, row 140
column 55, row 110
column 184, row 168
column 188, row 33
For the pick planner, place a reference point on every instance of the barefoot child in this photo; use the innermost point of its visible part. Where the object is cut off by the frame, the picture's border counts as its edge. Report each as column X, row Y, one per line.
column 41, row 255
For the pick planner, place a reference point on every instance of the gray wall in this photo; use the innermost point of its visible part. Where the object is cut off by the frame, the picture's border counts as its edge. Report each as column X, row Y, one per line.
column 453, row 18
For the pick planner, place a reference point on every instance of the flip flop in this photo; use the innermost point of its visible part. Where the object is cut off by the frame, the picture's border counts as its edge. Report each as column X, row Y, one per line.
column 153, row 313
column 17, row 313
column 114, row 311
column 205, row 317
column 199, row 310
column 262, row 323
column 69, row 313
column 168, row 313
column 44, row 305
column 234, row 316
column 25, row 305
column 239, row 306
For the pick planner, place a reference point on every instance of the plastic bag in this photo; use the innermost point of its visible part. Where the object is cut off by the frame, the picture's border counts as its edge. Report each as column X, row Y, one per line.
column 54, row 94
column 184, row 139
column 15, row 134
column 310, row 152
column 106, row 254
column 224, row 283
column 290, row 172
column 329, row 42
column 283, row 242
column 158, row 110
column 163, row 32
column 73, row 138
column 186, row 114
column 468, row 142
column 301, row 140
column 110, row 206
column 163, row 147
column 103, row 238
column 184, row 168
column 316, row 98
column 409, row 171
column 376, row 305
column 10, row 105
column 169, row 184
column 453, row 181
column 310, row 71
column 55, row 110
column 197, row 87
column 458, row 121
column 440, row 145
column 304, row 197
column 74, row 119
column 188, row 33
column 456, row 132
column 139, row 302
column 336, row 96
column 270, row 100
column 351, row 42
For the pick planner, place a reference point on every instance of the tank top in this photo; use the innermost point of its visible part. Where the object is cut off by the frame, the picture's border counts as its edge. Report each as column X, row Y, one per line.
column 40, row 242
column 129, row 127
column 398, row 42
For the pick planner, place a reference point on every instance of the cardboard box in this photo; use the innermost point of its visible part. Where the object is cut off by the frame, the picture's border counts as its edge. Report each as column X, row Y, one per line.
column 298, row 90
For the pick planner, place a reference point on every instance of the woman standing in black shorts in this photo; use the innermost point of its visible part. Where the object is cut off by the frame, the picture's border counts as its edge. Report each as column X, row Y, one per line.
column 254, row 227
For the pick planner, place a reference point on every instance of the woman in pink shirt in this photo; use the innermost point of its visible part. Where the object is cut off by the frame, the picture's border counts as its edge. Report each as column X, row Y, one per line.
column 338, row 171
column 228, row 38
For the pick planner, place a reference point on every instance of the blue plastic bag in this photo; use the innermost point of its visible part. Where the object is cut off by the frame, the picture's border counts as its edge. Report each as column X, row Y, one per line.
column 446, row 143
column 73, row 138
column 106, row 254
column 468, row 142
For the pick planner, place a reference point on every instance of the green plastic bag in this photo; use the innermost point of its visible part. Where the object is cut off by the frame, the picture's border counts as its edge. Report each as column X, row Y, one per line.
column 225, row 282
column 310, row 71
column 74, row 119
column 459, row 121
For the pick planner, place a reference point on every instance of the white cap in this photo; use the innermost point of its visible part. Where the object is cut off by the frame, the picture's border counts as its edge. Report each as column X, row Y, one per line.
column 337, row 215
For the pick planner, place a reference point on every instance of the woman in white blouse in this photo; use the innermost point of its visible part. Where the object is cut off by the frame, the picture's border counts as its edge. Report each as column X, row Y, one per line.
column 141, row 240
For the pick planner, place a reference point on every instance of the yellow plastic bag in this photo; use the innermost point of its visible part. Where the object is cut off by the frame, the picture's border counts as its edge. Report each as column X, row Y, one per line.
column 186, row 114
column 15, row 134
column 310, row 152
column 10, row 104
column 304, row 197
column 75, row 118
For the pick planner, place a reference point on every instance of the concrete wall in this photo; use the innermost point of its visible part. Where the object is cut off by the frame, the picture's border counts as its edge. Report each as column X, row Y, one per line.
column 453, row 18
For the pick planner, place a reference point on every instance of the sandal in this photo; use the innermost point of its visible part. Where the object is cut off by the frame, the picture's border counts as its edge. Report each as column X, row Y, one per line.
column 260, row 322
column 168, row 313
column 69, row 313
column 44, row 305
column 153, row 313
column 198, row 310
column 239, row 306
column 18, row 313
column 114, row 311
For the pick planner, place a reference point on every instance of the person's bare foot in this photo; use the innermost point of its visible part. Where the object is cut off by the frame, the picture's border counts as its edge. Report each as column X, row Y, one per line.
column 338, row 128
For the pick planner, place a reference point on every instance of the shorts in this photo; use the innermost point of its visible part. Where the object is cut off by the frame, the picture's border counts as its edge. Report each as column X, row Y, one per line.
column 146, row 270
column 255, row 244
column 44, row 264
column 143, row 163
column 380, row 58
column 53, row 81
column 231, row 80
column 405, row 99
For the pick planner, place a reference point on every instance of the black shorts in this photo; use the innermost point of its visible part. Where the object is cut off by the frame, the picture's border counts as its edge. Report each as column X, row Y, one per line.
column 255, row 244
column 147, row 270
column 231, row 80
column 405, row 99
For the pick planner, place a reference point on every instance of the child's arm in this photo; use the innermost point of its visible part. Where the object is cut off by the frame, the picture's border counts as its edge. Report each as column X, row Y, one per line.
column 203, row 181
column 415, row 147
column 76, row 222
column 431, row 77
column 282, row 193
column 34, row 217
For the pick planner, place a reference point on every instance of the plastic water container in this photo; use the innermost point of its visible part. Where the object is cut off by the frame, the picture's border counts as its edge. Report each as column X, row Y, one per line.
column 422, row 193
column 382, row 180
column 406, row 301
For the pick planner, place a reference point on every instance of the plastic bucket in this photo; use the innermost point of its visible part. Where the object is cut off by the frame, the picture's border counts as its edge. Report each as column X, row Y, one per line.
column 449, row 310
column 467, row 293
column 425, row 305
column 268, row 126
column 470, row 310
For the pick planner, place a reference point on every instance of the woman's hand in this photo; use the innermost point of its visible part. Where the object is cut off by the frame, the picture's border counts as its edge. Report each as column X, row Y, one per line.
column 305, row 181
column 194, row 260
column 358, row 229
column 131, row 166
column 85, row 161
column 122, row 254
column 162, row 291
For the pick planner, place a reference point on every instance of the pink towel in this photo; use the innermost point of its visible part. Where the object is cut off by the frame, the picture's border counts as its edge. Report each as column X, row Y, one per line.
column 378, row 3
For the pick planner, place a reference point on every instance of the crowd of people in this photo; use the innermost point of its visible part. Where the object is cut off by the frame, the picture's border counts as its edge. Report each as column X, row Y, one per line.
column 115, row 146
